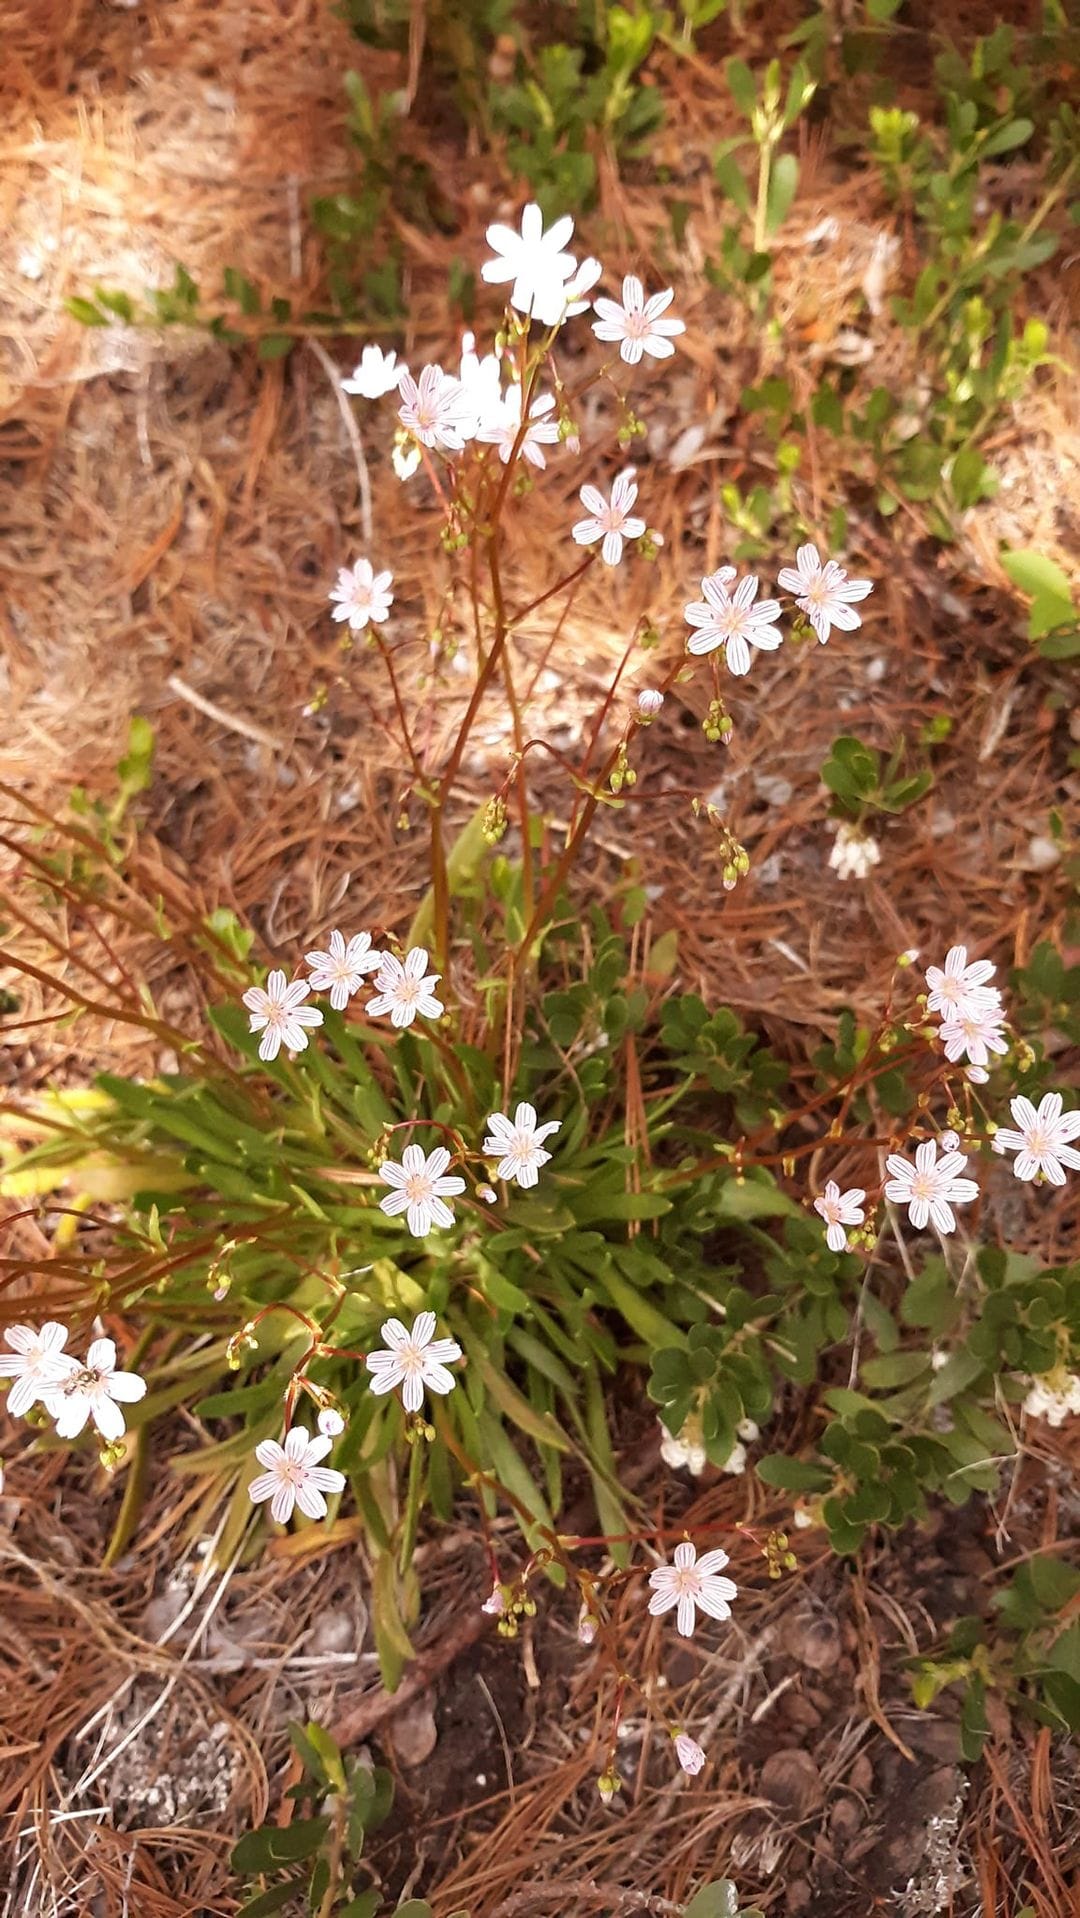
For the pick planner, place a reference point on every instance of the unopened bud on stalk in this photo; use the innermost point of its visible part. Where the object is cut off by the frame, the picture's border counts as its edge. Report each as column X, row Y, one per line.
column 608, row 1784
column 493, row 824
column 649, row 703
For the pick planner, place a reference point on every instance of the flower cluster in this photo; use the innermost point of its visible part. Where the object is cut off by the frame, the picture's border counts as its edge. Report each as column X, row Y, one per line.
column 73, row 1392
column 421, row 1183
column 294, row 1475
column 970, row 1011
column 403, row 989
column 971, row 1020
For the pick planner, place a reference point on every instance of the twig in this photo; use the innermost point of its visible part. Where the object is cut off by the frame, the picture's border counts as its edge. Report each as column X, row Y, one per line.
column 231, row 721
column 353, row 432
column 372, row 1711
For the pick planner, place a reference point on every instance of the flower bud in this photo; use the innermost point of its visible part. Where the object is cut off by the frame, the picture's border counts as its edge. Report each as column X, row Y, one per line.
column 649, row 702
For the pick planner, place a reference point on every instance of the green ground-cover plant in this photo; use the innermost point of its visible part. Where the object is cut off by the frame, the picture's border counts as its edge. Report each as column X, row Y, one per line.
column 230, row 1214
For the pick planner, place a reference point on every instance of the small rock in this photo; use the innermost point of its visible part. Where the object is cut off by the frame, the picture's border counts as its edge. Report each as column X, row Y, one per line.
column 813, row 1638
column 845, row 1818
column 933, row 1738
column 776, row 792
column 1042, row 855
column 800, row 1713
column 790, row 1780
column 336, row 1630
column 413, row 1732
column 798, row 1898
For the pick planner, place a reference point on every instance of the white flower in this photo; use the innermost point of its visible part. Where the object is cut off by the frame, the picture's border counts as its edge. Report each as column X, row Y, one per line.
column 689, row 1754
column 581, row 284
column 341, row 969
column 405, row 458
column 976, row 1033
column 732, row 620
column 518, row 1143
column 949, row 1141
column 682, row 1451
column 1041, row 1141
column 748, row 1430
column 414, row 1359
column 37, row 1362
column 587, row 1626
column 535, row 262
column 976, row 1075
column 503, row 430
column 495, row 1603
column 279, row 1013
column 610, row 521
column 436, row 410
column 363, row 595
column 689, row 1583
column 649, row 702
column 927, row 1186
column 855, row 852
column 735, row 1462
column 636, row 324
column 376, row 374
column 481, row 382
column 94, row 1391
column 960, row 990
column 294, row 1476
column 420, row 1189
column 840, row 1209
column 405, row 990
column 1054, row 1397
column 331, row 1422
column 824, row 592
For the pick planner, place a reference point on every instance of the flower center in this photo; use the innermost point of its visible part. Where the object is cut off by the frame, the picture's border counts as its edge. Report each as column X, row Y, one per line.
column 524, row 1147
column 1038, row 1140
column 924, row 1186
column 688, row 1582
column 418, row 1188
column 635, row 325
column 408, row 990
column 86, row 1379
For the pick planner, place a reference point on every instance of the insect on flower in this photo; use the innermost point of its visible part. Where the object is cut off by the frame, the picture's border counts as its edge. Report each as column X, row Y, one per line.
column 420, row 1189
column 637, row 324
column 518, row 1143
column 94, row 1391
column 610, row 521
column 414, row 1358
column 839, row 1209
column 294, row 1475
column 824, row 592
column 279, row 1013
column 340, row 970
column 405, row 990
column 692, row 1583
column 732, row 620
column 363, row 596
